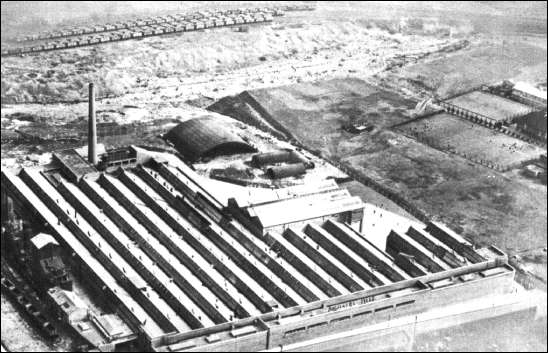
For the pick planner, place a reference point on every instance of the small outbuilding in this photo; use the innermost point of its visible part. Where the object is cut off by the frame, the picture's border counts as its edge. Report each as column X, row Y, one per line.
column 46, row 262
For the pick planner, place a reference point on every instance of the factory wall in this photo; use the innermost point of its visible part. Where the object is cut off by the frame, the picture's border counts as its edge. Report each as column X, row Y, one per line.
column 343, row 217
column 362, row 309
column 390, row 308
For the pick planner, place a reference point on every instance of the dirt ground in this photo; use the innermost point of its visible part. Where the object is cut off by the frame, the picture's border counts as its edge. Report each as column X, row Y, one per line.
column 324, row 107
column 450, row 133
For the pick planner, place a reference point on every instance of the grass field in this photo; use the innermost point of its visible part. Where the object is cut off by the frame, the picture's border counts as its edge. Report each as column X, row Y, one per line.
column 489, row 105
column 449, row 132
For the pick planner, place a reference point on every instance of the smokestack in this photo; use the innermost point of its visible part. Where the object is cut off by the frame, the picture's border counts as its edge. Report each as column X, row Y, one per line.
column 92, row 127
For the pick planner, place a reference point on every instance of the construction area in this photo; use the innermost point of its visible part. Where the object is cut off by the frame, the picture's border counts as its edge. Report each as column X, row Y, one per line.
column 349, row 181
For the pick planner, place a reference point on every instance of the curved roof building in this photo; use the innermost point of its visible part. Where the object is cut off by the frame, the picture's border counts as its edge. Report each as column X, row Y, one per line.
column 205, row 137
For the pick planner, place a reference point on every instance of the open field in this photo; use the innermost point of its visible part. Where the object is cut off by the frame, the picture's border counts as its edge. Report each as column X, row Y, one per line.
column 492, row 106
column 489, row 62
column 324, row 107
column 450, row 133
column 485, row 206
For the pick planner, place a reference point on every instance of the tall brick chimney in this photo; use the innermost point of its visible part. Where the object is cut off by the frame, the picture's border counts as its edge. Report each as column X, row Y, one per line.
column 92, row 127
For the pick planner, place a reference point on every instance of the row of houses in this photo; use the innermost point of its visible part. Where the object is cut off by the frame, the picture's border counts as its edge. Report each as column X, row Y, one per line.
column 154, row 20
column 142, row 29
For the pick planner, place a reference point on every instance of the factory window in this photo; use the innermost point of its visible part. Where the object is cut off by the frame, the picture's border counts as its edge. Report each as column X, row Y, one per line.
column 294, row 331
column 363, row 314
column 317, row 325
column 405, row 303
column 340, row 319
column 383, row 308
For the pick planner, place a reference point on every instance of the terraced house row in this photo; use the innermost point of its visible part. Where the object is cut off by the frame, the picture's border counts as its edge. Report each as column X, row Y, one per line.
column 139, row 28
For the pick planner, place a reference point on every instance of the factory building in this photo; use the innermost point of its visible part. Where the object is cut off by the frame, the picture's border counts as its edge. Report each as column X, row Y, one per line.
column 183, row 270
column 46, row 262
column 313, row 207
column 187, row 272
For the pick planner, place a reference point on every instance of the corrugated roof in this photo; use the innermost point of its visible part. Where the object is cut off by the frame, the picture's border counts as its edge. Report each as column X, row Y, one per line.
column 205, row 136
column 304, row 208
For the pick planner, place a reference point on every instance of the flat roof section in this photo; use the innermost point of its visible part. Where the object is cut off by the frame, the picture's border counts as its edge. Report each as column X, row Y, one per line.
column 73, row 163
column 275, row 195
column 305, row 208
